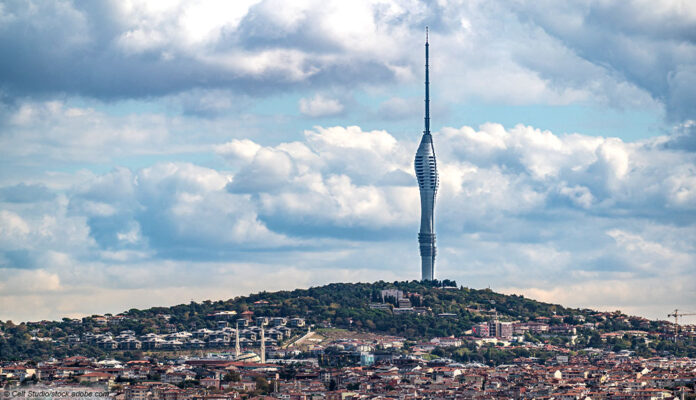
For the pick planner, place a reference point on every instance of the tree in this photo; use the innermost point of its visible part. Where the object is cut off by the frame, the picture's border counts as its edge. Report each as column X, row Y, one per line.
column 262, row 385
column 232, row 376
column 595, row 340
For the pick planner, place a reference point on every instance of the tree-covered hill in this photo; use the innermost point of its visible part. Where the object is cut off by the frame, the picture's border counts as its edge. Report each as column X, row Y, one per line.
column 444, row 310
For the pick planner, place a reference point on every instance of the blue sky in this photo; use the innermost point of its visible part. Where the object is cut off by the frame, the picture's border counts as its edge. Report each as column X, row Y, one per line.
column 153, row 153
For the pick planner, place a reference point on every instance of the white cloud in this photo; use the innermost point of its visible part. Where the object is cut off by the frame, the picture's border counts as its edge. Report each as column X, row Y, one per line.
column 53, row 131
column 152, row 25
column 19, row 282
column 244, row 150
column 176, row 207
column 512, row 54
column 320, row 106
column 579, row 195
column 37, row 295
column 517, row 205
column 12, row 225
column 487, row 174
column 521, row 209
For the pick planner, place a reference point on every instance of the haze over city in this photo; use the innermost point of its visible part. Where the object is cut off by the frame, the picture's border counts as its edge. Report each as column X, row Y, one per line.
column 154, row 153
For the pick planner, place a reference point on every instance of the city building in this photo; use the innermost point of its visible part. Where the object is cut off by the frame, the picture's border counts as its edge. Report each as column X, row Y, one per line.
column 481, row 330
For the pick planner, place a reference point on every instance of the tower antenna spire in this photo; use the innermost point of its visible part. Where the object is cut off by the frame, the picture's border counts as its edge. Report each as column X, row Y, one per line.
column 427, row 87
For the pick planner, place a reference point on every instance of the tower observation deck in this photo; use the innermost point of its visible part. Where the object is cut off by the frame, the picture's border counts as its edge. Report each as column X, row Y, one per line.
column 426, row 172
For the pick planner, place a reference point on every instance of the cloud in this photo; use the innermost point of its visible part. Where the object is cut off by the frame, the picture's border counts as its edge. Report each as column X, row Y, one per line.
column 140, row 136
column 611, row 175
column 25, row 193
column 12, row 224
column 55, row 131
column 176, row 209
column 34, row 235
column 209, row 103
column 683, row 137
column 43, row 294
column 24, row 282
column 653, row 48
column 320, row 106
column 544, row 53
column 521, row 209
column 341, row 179
column 116, row 50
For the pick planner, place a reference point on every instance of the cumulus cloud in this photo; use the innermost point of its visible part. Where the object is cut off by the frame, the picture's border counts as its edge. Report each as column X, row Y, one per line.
column 56, row 131
column 320, row 106
column 566, row 194
column 116, row 50
column 607, row 173
column 520, row 209
column 146, row 143
column 547, row 53
column 342, row 178
column 12, row 224
column 176, row 209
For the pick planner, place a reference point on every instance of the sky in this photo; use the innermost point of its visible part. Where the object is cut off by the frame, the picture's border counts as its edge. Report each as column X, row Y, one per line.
column 158, row 152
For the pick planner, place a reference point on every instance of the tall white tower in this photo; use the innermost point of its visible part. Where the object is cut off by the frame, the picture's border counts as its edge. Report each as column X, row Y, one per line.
column 426, row 172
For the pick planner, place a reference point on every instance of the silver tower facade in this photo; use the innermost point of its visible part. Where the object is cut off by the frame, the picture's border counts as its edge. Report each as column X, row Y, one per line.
column 426, row 172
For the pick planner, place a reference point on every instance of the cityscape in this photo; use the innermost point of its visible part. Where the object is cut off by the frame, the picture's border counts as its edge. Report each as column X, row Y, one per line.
column 217, row 201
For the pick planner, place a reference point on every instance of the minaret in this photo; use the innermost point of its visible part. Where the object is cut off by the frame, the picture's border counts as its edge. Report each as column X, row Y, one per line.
column 426, row 172
column 236, row 345
column 263, row 345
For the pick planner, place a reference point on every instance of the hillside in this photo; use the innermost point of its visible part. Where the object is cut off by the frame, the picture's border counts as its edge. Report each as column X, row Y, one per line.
column 436, row 312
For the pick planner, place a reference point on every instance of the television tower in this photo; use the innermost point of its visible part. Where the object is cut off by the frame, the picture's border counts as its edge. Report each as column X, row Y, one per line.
column 426, row 172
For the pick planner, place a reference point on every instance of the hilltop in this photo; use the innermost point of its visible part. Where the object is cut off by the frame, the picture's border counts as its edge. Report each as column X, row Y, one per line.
column 426, row 310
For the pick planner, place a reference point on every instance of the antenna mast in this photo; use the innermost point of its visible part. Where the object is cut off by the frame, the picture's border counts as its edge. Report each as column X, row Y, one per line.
column 427, row 87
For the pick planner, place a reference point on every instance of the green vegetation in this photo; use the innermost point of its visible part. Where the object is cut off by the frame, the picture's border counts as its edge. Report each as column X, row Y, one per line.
column 339, row 305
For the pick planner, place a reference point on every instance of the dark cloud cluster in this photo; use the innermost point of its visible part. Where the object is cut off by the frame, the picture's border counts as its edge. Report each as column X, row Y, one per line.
column 95, row 50
column 652, row 45
column 683, row 137
column 555, row 52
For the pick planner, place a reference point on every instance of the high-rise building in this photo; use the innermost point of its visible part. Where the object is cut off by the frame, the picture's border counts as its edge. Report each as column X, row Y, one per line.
column 426, row 172
column 481, row 330
column 503, row 330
